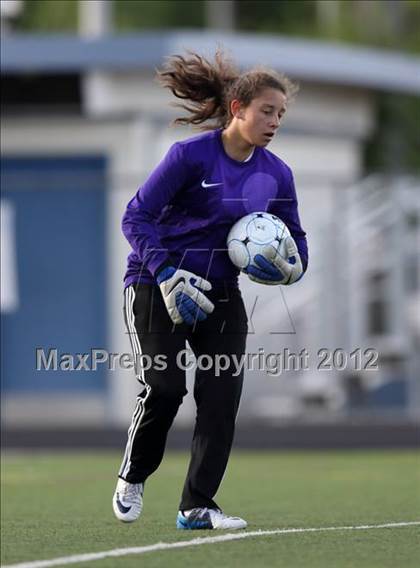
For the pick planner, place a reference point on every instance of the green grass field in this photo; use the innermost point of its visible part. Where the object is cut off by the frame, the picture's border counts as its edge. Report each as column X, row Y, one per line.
column 57, row 505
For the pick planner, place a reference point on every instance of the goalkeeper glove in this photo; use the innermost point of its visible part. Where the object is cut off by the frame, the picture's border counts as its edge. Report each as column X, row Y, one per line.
column 182, row 296
column 278, row 270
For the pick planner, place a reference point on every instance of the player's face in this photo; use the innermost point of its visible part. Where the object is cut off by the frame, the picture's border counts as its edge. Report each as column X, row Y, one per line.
column 261, row 118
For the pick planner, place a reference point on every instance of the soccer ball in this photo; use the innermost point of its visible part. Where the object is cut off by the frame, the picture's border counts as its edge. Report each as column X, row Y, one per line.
column 257, row 233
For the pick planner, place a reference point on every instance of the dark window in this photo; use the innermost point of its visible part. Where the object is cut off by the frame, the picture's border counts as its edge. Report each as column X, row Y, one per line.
column 40, row 92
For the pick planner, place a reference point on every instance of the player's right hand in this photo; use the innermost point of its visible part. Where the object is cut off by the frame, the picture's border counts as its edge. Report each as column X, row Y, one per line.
column 181, row 291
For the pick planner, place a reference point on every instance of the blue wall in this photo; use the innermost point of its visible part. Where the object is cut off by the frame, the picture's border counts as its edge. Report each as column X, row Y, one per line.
column 59, row 206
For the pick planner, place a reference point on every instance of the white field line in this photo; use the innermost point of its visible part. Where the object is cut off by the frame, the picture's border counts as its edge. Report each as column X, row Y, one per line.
column 116, row 552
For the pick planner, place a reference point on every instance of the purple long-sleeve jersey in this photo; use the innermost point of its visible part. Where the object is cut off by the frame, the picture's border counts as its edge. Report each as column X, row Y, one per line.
column 183, row 213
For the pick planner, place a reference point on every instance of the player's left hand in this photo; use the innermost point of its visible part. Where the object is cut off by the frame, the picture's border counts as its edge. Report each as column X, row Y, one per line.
column 278, row 270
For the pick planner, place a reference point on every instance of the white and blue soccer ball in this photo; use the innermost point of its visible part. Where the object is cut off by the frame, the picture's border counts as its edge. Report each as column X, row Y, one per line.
column 256, row 233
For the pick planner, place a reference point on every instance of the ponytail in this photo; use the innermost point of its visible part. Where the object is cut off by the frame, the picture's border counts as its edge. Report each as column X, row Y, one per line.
column 210, row 87
column 202, row 83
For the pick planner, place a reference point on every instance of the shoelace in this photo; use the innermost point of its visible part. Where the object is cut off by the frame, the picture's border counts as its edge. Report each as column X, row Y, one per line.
column 221, row 513
column 132, row 490
column 206, row 509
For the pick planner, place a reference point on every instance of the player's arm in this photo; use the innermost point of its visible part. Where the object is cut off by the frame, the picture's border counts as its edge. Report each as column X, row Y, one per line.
column 181, row 290
column 279, row 270
column 286, row 208
column 139, row 220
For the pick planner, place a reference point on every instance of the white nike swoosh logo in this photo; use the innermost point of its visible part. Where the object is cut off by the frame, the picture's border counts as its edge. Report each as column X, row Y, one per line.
column 204, row 184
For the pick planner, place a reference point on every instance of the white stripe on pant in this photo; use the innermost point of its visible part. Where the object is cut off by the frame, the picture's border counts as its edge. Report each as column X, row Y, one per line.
column 141, row 400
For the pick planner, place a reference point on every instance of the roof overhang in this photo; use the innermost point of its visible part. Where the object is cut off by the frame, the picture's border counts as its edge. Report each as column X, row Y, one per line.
column 302, row 59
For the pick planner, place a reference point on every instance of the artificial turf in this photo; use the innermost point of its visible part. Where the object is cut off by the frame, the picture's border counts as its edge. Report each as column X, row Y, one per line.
column 56, row 505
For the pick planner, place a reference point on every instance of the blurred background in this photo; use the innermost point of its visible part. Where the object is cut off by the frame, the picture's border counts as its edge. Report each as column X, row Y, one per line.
column 84, row 123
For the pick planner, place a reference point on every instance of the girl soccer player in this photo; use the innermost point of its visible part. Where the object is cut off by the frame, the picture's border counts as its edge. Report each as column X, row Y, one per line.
column 180, row 284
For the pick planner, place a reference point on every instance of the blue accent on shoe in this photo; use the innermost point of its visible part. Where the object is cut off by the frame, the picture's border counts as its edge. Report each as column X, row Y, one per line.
column 185, row 523
column 165, row 274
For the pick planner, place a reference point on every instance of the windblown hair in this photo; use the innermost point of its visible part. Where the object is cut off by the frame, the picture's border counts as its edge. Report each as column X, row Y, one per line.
column 211, row 86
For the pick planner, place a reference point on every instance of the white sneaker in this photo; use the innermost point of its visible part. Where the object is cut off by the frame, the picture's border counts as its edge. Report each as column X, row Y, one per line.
column 208, row 519
column 128, row 501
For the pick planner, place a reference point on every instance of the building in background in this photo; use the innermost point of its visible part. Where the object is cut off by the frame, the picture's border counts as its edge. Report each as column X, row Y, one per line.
column 84, row 123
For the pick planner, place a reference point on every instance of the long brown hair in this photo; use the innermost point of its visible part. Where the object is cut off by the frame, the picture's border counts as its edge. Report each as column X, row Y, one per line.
column 209, row 87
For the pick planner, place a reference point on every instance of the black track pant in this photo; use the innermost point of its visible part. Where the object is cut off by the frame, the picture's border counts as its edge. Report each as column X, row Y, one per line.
column 152, row 333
